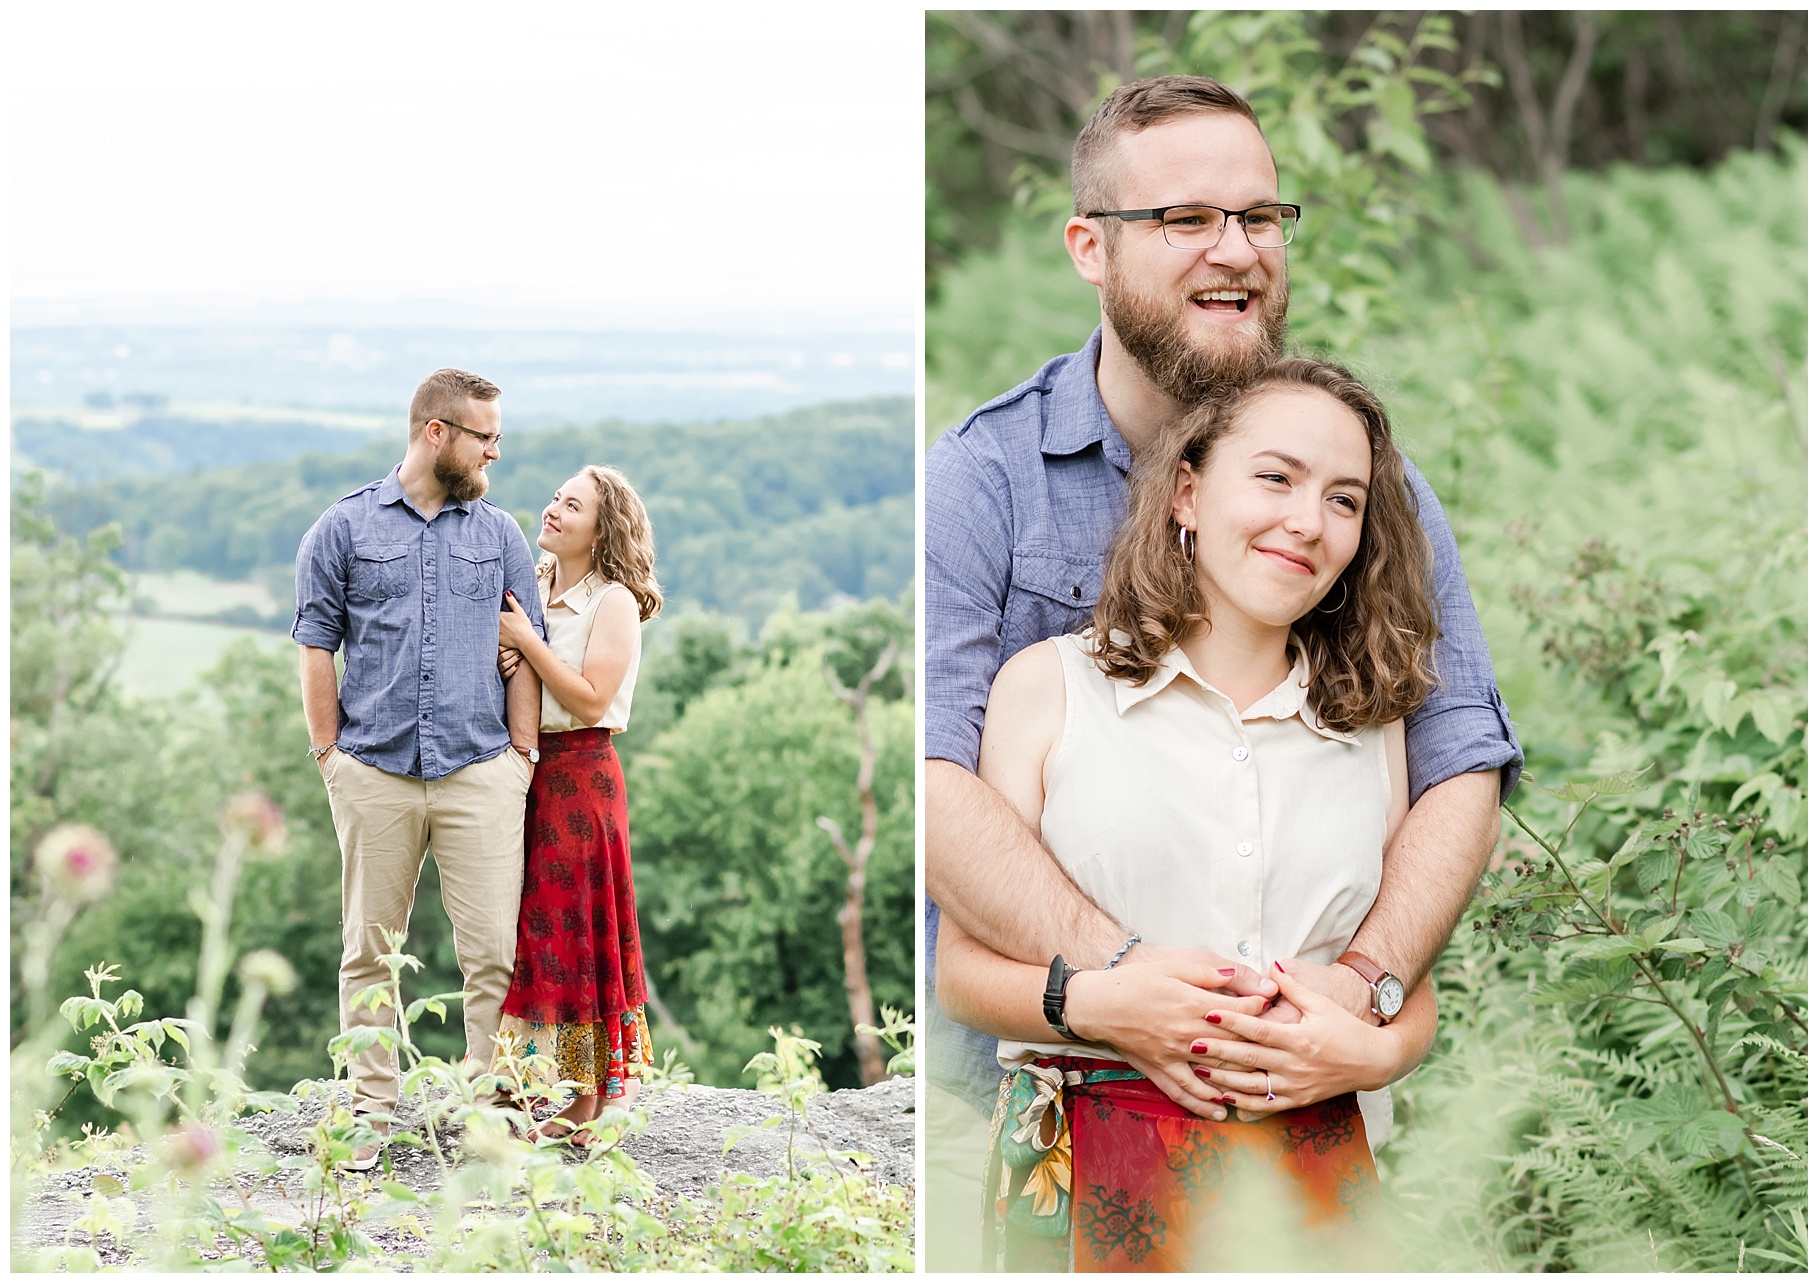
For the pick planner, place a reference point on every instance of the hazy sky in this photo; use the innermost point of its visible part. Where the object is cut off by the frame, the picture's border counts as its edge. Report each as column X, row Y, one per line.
column 669, row 160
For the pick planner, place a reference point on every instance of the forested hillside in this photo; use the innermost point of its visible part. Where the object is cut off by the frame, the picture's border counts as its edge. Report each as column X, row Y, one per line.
column 815, row 502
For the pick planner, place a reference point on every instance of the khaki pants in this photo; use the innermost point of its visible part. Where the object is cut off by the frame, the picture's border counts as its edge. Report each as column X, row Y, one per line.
column 475, row 820
column 956, row 1138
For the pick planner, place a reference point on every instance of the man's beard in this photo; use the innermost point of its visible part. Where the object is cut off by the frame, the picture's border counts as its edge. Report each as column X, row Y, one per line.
column 462, row 485
column 1154, row 332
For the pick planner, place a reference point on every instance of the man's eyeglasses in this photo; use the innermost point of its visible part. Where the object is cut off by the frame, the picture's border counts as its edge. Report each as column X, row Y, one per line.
column 1201, row 226
column 487, row 439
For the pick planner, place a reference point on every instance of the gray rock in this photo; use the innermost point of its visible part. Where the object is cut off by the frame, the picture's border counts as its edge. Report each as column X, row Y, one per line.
column 683, row 1151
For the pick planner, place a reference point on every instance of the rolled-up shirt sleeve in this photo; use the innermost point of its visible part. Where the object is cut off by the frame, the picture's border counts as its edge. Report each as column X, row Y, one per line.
column 966, row 580
column 322, row 585
column 521, row 577
column 1464, row 725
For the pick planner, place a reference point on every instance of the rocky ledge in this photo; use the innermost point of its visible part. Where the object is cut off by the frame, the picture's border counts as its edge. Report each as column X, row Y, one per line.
column 683, row 1151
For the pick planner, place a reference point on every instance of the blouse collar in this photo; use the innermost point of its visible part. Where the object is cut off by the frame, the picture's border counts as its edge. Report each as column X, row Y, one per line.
column 586, row 587
column 1288, row 700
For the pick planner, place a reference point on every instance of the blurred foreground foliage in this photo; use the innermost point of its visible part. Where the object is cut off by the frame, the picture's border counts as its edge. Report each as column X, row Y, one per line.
column 737, row 748
column 1615, row 421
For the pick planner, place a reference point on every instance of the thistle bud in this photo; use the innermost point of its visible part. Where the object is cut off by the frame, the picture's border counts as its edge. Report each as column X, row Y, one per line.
column 76, row 863
column 268, row 968
column 256, row 818
column 192, row 1149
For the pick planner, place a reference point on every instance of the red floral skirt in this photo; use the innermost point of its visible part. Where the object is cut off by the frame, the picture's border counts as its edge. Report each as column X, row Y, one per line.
column 1108, row 1174
column 579, row 963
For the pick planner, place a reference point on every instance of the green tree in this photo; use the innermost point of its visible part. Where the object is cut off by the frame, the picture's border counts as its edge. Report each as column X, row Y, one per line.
column 739, row 891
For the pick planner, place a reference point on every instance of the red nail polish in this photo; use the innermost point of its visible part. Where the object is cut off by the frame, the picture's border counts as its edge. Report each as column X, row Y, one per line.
column 1213, row 1017
column 1229, row 1100
column 1278, row 967
column 1202, row 1071
column 1227, row 971
column 1198, row 1048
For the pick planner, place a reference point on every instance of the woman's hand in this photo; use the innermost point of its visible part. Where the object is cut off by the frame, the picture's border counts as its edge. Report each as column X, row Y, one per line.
column 516, row 632
column 1149, row 1014
column 1327, row 1052
column 509, row 660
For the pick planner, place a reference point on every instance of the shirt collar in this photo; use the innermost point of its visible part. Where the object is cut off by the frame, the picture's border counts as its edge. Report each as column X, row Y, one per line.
column 589, row 584
column 1075, row 417
column 391, row 490
column 1288, row 700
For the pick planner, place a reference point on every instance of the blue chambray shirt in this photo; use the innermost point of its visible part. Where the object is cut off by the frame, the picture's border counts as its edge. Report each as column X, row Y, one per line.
column 415, row 604
column 1023, row 501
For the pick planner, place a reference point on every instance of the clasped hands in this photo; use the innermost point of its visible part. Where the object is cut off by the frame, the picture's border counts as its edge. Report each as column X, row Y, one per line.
column 1213, row 1034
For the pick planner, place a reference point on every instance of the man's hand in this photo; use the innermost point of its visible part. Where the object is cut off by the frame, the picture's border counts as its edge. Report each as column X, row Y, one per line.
column 1151, row 1015
column 1239, row 980
column 322, row 762
column 1336, row 983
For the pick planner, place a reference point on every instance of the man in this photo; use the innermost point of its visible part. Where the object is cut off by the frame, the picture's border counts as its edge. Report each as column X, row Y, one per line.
column 423, row 742
column 1022, row 502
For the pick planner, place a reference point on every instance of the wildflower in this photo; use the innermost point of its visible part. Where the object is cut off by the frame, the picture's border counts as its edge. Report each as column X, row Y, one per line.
column 256, row 818
column 192, row 1148
column 76, row 863
column 269, row 969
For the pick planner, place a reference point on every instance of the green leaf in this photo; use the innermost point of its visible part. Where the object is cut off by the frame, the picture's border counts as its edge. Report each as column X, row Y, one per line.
column 1715, row 927
column 1714, row 1133
column 1684, row 944
column 1655, row 866
column 1617, row 785
column 1716, row 701
column 1612, row 947
column 107, row 1186
column 1779, row 879
column 174, row 1028
column 417, row 1008
column 1640, row 840
column 1579, row 988
column 67, row 1062
column 358, row 1039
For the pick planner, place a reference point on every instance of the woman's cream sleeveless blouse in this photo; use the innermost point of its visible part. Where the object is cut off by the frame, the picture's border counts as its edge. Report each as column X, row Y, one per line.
column 1255, row 834
column 567, row 621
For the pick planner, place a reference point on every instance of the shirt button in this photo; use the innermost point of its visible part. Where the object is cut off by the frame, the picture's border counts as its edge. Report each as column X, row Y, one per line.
column 1244, row 848
column 1243, row 947
column 1240, row 753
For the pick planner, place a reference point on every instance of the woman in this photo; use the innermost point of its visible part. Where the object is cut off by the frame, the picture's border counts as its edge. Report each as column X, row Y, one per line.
column 577, row 991
column 1218, row 764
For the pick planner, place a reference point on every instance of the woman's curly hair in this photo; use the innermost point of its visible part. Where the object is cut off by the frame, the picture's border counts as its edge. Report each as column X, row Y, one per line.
column 1371, row 659
column 624, row 549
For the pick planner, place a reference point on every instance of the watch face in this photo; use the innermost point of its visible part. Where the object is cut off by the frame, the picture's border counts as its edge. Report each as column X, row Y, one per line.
column 1389, row 997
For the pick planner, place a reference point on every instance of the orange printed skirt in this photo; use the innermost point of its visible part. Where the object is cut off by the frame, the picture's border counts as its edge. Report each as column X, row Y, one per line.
column 1093, row 1169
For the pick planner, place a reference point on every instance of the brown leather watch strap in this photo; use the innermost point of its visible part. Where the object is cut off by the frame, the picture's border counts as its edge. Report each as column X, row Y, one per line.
column 1371, row 973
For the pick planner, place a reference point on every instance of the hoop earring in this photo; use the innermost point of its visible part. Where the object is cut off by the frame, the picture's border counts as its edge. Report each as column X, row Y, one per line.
column 1344, row 596
column 1189, row 544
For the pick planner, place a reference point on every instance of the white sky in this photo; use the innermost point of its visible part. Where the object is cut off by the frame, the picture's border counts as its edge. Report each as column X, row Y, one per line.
column 672, row 160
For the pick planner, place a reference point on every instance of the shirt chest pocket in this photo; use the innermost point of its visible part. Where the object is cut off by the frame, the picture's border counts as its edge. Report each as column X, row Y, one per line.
column 378, row 571
column 476, row 572
column 1049, row 595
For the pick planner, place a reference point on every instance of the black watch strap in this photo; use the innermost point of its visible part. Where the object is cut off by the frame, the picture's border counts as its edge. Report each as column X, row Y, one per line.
column 1054, row 998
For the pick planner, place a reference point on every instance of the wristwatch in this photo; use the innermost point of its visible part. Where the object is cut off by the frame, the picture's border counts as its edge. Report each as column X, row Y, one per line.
column 1054, row 999
column 1387, row 993
column 529, row 754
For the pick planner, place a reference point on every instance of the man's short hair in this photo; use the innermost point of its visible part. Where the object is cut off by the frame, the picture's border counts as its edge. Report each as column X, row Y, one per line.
column 444, row 395
column 1130, row 109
